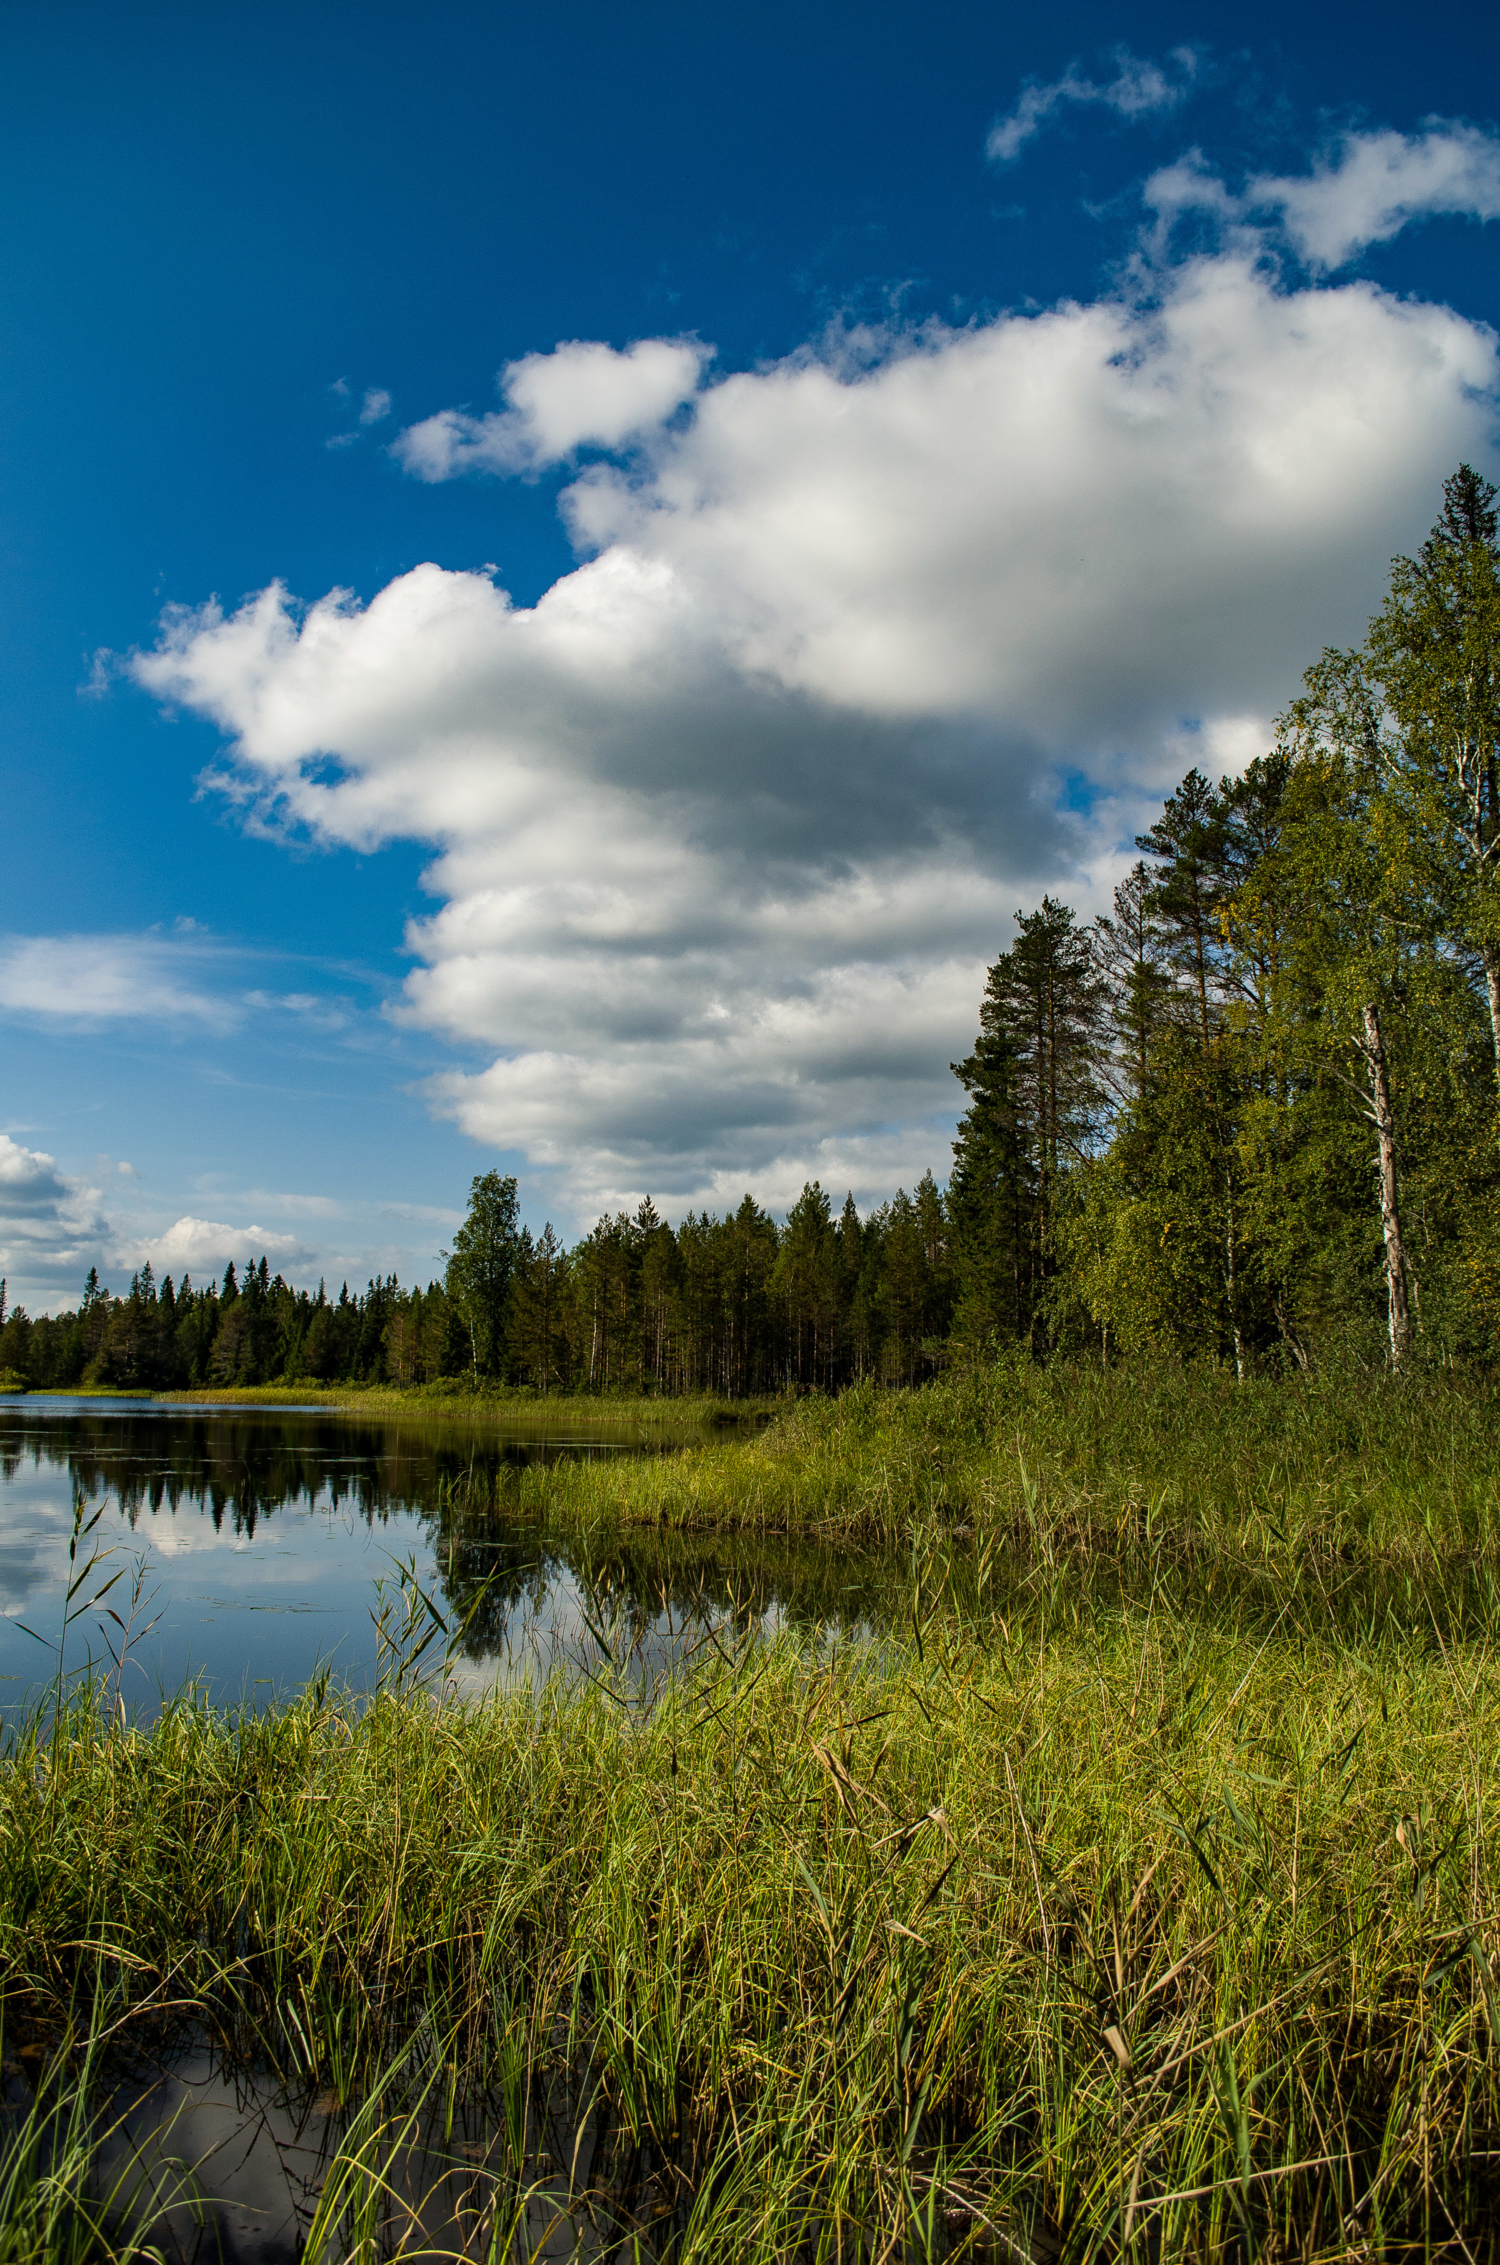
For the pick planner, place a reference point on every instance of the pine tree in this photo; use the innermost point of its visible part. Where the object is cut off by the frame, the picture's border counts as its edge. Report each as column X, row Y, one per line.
column 1130, row 957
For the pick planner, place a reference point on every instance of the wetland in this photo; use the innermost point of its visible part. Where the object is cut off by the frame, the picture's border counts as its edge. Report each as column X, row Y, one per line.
column 1044, row 1814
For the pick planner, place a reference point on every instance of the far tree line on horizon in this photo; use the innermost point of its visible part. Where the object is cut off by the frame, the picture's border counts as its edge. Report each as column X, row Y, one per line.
column 1252, row 1111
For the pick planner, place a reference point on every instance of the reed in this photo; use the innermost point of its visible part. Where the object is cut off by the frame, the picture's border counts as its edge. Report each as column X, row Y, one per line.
column 1148, row 1912
column 1072, row 1457
column 1145, row 1923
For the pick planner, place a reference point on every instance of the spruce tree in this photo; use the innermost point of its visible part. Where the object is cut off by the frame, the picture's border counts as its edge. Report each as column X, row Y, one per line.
column 1189, row 884
column 1130, row 956
column 993, row 1189
column 537, row 1326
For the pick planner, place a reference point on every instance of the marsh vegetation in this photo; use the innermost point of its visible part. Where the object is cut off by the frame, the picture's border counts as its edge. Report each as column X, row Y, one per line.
column 1129, row 1893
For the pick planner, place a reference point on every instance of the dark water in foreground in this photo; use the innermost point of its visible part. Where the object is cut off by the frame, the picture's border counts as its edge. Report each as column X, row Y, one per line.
column 215, row 2166
column 257, row 1538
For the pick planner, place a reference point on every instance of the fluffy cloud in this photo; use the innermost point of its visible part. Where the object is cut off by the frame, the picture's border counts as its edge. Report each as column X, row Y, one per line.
column 1364, row 191
column 580, row 395
column 53, row 1227
column 1139, row 89
column 729, row 822
column 1374, row 184
column 31, row 1186
column 205, row 1246
column 99, row 979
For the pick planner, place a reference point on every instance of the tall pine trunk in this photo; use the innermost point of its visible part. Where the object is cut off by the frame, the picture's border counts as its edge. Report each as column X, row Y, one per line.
column 1397, row 1278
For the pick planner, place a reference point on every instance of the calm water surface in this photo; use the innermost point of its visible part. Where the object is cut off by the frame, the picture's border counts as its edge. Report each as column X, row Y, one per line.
column 258, row 1536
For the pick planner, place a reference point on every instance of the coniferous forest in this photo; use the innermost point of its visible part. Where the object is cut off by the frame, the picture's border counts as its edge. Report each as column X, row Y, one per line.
column 1250, row 1113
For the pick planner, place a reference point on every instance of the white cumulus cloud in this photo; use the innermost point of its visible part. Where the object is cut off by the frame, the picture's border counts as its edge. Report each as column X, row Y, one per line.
column 204, row 1247
column 50, row 1223
column 730, row 821
column 582, row 394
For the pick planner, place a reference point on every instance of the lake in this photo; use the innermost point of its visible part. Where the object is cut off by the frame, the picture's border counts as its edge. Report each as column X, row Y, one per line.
column 256, row 1538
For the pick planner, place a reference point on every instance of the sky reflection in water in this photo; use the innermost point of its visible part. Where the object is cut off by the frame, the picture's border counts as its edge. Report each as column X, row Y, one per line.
column 263, row 1532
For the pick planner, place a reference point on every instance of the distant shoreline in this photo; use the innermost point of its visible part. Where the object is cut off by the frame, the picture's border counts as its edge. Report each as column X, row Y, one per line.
column 678, row 1412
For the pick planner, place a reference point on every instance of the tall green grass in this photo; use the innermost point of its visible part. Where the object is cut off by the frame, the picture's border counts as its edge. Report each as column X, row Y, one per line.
column 1344, row 1463
column 1156, row 1925
column 1132, row 1895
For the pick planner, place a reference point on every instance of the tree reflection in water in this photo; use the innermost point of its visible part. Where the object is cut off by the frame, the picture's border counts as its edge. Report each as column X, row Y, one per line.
column 496, row 1568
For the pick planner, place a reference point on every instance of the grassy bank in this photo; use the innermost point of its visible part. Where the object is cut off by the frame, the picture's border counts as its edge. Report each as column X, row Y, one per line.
column 1137, row 1898
column 1080, row 1458
column 509, row 1404
column 74, row 1391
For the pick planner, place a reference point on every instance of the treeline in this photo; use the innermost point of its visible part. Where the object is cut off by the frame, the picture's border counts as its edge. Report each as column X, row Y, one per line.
column 1252, row 1110
column 734, row 1305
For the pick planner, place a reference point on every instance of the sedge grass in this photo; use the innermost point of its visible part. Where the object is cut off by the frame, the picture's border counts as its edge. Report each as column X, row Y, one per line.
column 1071, row 1458
column 1135, row 1896
column 1157, row 1925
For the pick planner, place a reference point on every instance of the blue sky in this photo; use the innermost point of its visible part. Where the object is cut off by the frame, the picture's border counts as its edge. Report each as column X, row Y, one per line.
column 964, row 419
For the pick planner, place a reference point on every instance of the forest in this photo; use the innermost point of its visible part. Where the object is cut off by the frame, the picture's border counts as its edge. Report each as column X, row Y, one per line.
column 1249, row 1114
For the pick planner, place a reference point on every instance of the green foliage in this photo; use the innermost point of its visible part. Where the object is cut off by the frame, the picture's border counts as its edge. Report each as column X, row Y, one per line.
column 481, row 1269
column 1035, row 1105
column 1302, row 1015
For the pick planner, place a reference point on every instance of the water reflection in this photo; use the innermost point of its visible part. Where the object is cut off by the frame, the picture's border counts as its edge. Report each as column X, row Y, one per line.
column 208, row 2162
column 241, row 1464
column 261, row 1536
